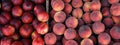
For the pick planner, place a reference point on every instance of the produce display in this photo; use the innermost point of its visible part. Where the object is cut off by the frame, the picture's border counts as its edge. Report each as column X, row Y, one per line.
column 60, row 22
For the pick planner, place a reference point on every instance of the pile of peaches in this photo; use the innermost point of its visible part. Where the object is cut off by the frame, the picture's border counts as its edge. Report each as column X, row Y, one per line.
column 60, row 22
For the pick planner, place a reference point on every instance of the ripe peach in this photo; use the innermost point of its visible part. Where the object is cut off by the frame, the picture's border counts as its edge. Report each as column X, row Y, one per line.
column 57, row 5
column 38, row 41
column 60, row 16
column 25, row 30
column 17, row 11
column 95, row 5
column 43, row 16
column 26, row 41
column 6, row 15
column 84, row 31
column 86, row 42
column 77, row 13
column 96, row 16
column 86, row 6
column 8, row 30
column 108, row 22
column 113, row 1
column 35, row 23
column 86, row 18
column 98, row 27
column 6, row 6
column 5, row 41
column 17, row 42
column 59, row 28
column 114, row 32
column 50, row 38
column 71, row 42
column 70, row 33
column 17, row 2
column 3, row 20
column 42, row 28
column 68, row 8
column 115, row 9
column 27, row 5
column 71, row 22
column 27, row 17
column 104, row 38
column 77, row 3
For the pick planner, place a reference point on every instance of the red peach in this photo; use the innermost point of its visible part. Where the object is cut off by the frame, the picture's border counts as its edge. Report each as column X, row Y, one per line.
column 42, row 28
column 68, row 8
column 39, row 1
column 17, row 42
column 17, row 11
column 38, row 9
column 70, row 33
column 3, row 20
column 35, row 35
column 86, row 6
column 26, row 42
column 108, row 22
column 67, row 1
column 106, row 12
column 115, row 9
column 113, row 1
column 114, row 32
column 98, row 27
column 77, row 13
column 8, row 30
column 71, row 42
column 27, row 17
column 60, row 16
column 95, row 5
column 84, row 31
column 26, row 30
column 6, row 15
column 43, row 16
column 27, row 5
column 50, row 38
column 86, row 18
column 116, row 19
column 5, row 41
column 17, row 2
column 59, row 28
column 96, row 16
column 57, row 5
column 38, row 41
column 71, row 22
column 16, row 23
column 6, row 6
column 87, row 42
column 77, row 3
column 52, row 13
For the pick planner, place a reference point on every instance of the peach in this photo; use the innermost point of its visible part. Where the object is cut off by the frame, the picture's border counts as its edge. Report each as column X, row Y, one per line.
column 94, row 39
column 27, row 17
column 52, row 13
column 39, row 1
column 84, row 31
column 38, row 41
column 114, row 32
column 95, row 5
column 71, row 22
column 43, row 16
column 115, row 9
column 15, row 36
column 8, row 30
column 64, row 40
column 77, row 13
column 96, row 16
column 68, row 8
column 5, row 41
column 3, row 20
column 113, row 1
column 104, row 38
column 42, row 28
column 26, row 41
column 59, row 28
column 87, row 42
column 71, row 42
column 86, row 6
column 86, row 18
column 98, row 27
column 50, row 38
column 35, row 35
column 6, row 6
column 35, row 23
column 108, row 22
column 60, row 16
column 27, row 5
column 77, row 3
column 57, row 5
column 26, row 30
column 70, row 33
column 6, row 15
column 17, row 11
